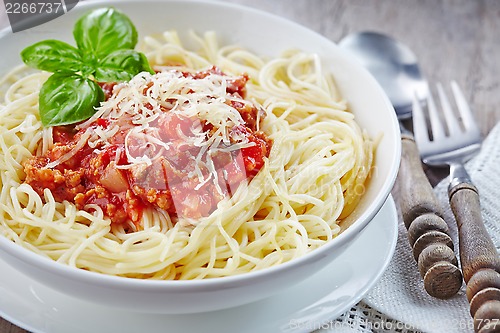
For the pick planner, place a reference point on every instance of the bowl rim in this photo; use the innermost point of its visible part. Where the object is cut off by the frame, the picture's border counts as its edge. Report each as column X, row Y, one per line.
column 104, row 280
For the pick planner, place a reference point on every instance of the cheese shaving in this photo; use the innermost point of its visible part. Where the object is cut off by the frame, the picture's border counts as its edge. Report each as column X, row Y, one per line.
column 136, row 107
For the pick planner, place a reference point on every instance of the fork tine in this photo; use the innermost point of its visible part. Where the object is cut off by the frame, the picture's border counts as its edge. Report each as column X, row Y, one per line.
column 464, row 109
column 419, row 125
column 436, row 125
column 451, row 120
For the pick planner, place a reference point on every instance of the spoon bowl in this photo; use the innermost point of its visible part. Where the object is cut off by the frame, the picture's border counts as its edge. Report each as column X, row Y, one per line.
column 394, row 66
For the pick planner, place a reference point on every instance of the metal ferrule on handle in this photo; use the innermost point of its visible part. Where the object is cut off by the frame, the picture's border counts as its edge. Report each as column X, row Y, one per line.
column 458, row 175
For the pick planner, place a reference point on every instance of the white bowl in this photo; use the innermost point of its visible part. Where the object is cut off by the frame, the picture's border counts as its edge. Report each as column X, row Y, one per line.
column 264, row 34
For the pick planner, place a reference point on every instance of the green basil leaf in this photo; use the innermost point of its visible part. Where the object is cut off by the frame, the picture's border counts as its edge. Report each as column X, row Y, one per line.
column 103, row 31
column 53, row 56
column 68, row 98
column 121, row 65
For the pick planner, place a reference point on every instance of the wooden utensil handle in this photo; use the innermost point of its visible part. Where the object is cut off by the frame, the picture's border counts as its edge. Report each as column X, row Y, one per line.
column 427, row 231
column 479, row 258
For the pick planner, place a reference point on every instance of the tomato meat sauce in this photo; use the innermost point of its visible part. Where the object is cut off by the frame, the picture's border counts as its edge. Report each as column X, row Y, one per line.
column 104, row 175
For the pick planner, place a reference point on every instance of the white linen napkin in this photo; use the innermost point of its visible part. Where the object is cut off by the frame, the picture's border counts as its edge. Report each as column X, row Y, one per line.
column 400, row 293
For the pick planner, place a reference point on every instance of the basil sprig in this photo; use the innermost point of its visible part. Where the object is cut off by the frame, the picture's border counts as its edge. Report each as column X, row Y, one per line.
column 105, row 40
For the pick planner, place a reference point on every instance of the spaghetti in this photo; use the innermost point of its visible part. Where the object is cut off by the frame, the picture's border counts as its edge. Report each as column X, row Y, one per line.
column 312, row 179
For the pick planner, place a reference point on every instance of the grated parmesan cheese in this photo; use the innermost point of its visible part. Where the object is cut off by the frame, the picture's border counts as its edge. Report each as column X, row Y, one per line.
column 137, row 105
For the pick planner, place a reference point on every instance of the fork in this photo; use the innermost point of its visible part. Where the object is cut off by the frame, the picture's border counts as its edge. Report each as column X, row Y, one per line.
column 478, row 256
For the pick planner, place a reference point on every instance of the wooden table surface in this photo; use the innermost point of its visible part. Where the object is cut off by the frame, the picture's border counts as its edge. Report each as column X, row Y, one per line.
column 453, row 39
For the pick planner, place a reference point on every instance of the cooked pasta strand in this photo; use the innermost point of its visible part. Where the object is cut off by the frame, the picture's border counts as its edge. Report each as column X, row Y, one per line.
column 318, row 165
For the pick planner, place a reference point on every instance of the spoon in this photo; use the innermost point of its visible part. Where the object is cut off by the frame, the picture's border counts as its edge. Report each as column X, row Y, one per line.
column 395, row 68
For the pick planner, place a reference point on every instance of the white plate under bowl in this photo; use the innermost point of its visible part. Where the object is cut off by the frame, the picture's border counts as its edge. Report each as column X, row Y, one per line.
column 266, row 35
column 301, row 308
